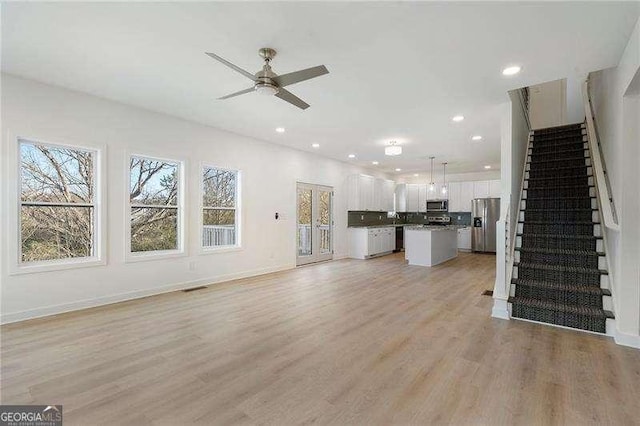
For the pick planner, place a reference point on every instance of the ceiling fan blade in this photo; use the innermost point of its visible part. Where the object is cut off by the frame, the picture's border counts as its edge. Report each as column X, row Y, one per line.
column 242, row 92
column 232, row 66
column 285, row 95
column 302, row 75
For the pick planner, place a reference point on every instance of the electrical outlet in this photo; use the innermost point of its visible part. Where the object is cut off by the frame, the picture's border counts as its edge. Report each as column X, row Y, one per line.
column 192, row 266
column 361, row 217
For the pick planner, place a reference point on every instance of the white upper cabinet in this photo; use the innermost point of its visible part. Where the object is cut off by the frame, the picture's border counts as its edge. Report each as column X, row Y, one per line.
column 481, row 189
column 454, row 197
column 494, row 189
column 388, row 191
column 412, row 197
column 361, row 192
column 369, row 193
column 422, row 197
column 401, row 198
column 466, row 195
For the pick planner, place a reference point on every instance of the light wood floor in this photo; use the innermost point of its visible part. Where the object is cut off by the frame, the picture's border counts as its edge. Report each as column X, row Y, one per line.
column 345, row 342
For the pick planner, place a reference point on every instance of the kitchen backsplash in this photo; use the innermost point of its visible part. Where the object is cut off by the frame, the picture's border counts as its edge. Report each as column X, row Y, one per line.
column 368, row 218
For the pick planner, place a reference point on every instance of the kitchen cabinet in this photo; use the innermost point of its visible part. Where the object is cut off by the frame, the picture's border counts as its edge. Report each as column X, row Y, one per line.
column 401, row 198
column 388, row 189
column 368, row 242
column 466, row 195
column 454, row 197
column 422, row 197
column 412, row 197
column 464, row 239
column 481, row 189
column 494, row 189
column 361, row 193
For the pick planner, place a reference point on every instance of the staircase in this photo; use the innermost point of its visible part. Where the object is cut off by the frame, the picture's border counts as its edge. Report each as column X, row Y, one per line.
column 559, row 274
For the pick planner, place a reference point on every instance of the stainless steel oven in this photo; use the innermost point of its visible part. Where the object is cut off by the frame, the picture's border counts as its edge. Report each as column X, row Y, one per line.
column 437, row 205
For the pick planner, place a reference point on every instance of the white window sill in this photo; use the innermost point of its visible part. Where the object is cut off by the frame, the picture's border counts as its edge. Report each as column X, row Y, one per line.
column 56, row 265
column 219, row 249
column 153, row 255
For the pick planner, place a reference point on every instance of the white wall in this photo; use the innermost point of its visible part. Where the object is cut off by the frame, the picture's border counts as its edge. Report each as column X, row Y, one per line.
column 454, row 177
column 615, row 98
column 548, row 104
column 269, row 171
column 514, row 137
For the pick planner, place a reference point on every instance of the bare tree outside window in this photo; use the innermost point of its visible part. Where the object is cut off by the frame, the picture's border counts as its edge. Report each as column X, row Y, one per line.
column 57, row 204
column 153, row 194
column 219, row 201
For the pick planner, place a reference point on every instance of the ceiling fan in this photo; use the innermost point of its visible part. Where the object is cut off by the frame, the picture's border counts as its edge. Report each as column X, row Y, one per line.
column 266, row 82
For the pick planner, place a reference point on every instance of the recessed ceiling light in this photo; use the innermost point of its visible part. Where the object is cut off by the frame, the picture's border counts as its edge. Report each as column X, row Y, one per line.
column 375, row 163
column 416, row 175
column 315, row 145
column 458, row 118
column 352, row 156
column 280, row 129
column 398, row 170
column 476, row 138
column 511, row 70
column 487, row 167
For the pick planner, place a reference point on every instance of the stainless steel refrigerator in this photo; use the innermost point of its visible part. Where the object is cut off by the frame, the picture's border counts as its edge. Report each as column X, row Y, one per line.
column 485, row 212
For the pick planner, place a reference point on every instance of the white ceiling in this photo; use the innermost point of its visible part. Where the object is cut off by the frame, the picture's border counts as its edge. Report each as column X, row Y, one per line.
column 397, row 70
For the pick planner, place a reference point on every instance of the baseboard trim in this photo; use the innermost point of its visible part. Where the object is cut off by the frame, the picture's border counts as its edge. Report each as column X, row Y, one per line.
column 624, row 339
column 123, row 297
column 500, row 309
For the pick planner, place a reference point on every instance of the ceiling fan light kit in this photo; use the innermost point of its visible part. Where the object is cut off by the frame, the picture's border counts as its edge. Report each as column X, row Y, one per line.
column 266, row 82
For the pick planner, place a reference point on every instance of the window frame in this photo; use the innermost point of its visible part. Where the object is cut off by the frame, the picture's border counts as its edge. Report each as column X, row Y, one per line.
column 180, row 251
column 14, row 223
column 238, row 211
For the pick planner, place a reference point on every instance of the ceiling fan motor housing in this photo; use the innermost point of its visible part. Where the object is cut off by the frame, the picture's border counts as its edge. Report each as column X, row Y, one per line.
column 264, row 80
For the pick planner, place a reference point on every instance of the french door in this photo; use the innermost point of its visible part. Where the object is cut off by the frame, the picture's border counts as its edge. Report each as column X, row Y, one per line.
column 314, row 234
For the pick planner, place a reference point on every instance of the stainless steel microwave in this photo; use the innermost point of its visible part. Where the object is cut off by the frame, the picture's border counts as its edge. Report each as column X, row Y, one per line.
column 438, row 206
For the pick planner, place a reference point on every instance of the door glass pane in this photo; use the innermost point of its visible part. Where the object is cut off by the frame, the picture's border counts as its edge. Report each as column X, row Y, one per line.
column 304, row 237
column 324, row 221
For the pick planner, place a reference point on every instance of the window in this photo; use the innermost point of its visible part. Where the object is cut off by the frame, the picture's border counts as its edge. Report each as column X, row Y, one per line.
column 57, row 203
column 220, row 208
column 154, row 195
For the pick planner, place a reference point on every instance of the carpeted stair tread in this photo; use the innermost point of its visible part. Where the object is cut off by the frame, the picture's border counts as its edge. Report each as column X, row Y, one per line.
column 560, row 251
column 571, row 197
column 566, row 236
column 552, row 139
column 567, row 168
column 568, row 186
column 561, row 286
column 555, row 160
column 560, row 307
column 528, row 209
column 559, row 222
column 557, row 178
column 576, row 151
column 560, row 268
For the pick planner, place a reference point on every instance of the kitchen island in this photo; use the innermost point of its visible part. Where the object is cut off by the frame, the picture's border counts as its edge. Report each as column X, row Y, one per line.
column 430, row 245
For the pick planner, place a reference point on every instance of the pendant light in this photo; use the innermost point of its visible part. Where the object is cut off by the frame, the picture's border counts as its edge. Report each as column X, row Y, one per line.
column 444, row 178
column 432, row 184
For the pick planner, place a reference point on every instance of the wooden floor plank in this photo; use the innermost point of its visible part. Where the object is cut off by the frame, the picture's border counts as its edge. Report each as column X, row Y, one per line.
column 344, row 342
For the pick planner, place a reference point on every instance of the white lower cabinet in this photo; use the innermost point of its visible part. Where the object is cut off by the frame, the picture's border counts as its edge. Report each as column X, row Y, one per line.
column 367, row 242
column 464, row 239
